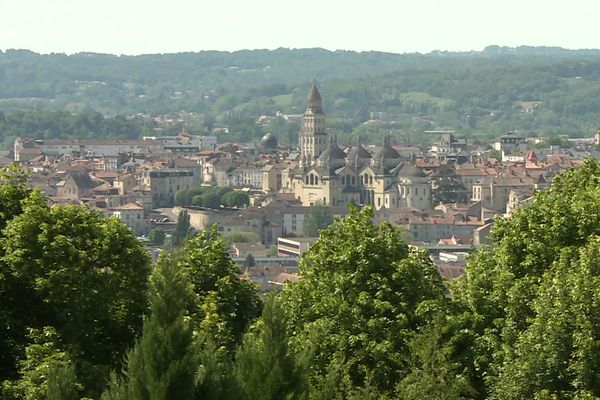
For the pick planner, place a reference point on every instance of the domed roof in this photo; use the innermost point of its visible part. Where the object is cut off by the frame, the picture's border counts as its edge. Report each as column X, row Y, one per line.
column 411, row 171
column 387, row 152
column 358, row 152
column 332, row 156
column 268, row 142
column 386, row 157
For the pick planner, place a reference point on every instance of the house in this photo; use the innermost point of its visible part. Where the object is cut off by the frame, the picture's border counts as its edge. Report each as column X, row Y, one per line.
column 132, row 215
column 75, row 187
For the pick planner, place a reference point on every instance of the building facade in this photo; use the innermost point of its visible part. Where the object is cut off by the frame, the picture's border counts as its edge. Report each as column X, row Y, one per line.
column 327, row 175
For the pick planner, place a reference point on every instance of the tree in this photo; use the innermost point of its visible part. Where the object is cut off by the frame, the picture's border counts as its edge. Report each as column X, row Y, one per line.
column 157, row 237
column 235, row 199
column 557, row 354
column 13, row 190
column 182, row 229
column 211, row 200
column 226, row 304
column 250, row 262
column 319, row 218
column 265, row 366
column 82, row 274
column 163, row 364
column 447, row 187
column 357, row 303
column 245, row 237
column 519, row 290
column 46, row 372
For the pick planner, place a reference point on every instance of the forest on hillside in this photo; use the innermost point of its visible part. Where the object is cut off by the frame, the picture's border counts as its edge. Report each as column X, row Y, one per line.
column 84, row 314
column 535, row 90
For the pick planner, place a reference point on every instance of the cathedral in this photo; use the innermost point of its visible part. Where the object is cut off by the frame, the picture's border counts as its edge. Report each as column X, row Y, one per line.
column 327, row 175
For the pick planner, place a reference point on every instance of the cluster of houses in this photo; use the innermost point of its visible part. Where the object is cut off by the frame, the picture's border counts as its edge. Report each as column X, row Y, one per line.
column 137, row 181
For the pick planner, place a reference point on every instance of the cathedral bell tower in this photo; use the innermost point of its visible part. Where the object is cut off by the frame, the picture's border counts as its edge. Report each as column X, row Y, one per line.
column 313, row 139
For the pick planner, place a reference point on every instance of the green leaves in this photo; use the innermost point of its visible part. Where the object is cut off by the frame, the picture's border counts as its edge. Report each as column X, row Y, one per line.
column 356, row 302
column 82, row 274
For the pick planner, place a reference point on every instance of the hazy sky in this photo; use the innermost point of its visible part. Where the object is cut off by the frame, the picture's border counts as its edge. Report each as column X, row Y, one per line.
column 165, row 26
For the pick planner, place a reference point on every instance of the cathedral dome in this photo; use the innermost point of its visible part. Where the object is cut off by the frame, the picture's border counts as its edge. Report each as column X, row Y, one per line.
column 411, row 171
column 333, row 157
column 386, row 156
column 358, row 155
column 268, row 142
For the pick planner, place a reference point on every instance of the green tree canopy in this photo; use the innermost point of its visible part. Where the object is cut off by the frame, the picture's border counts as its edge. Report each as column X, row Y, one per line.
column 523, row 287
column 357, row 303
column 220, row 294
column 83, row 274
column 266, row 368
column 319, row 218
column 163, row 364
column 235, row 199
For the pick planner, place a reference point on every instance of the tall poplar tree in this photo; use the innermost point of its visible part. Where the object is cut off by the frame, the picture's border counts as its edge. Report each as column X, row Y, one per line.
column 163, row 364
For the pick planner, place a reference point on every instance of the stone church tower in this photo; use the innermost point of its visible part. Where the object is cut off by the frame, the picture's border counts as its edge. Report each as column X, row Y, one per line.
column 313, row 139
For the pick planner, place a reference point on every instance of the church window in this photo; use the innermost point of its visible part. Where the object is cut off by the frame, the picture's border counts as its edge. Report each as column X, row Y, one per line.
column 306, row 179
column 343, row 180
column 353, row 181
column 312, row 179
column 379, row 202
column 371, row 180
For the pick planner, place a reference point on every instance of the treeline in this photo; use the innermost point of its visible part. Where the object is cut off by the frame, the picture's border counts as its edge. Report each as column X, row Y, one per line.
column 211, row 197
column 370, row 317
column 66, row 125
column 536, row 90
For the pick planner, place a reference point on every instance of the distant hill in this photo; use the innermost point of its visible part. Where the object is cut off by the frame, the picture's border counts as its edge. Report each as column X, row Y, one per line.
column 480, row 93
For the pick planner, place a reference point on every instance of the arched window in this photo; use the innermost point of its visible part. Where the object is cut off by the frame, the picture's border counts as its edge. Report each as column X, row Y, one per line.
column 371, row 179
column 306, row 179
column 312, row 179
column 343, row 180
column 353, row 180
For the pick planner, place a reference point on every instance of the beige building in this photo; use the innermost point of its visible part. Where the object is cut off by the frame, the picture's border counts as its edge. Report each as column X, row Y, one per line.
column 132, row 215
column 329, row 176
column 164, row 183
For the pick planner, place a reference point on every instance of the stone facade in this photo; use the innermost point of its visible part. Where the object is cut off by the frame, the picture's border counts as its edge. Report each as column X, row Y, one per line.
column 327, row 175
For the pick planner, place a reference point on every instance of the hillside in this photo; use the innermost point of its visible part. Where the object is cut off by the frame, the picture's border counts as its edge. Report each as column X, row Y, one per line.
column 536, row 90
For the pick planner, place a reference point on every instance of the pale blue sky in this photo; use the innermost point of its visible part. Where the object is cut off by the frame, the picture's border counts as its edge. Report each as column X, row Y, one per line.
column 153, row 26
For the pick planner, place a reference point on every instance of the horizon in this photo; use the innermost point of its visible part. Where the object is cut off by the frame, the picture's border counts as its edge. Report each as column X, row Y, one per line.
column 309, row 48
column 140, row 27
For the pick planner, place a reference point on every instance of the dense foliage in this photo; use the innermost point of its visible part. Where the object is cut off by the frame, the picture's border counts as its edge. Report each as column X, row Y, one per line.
column 72, row 282
column 370, row 318
column 539, row 91
column 212, row 197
